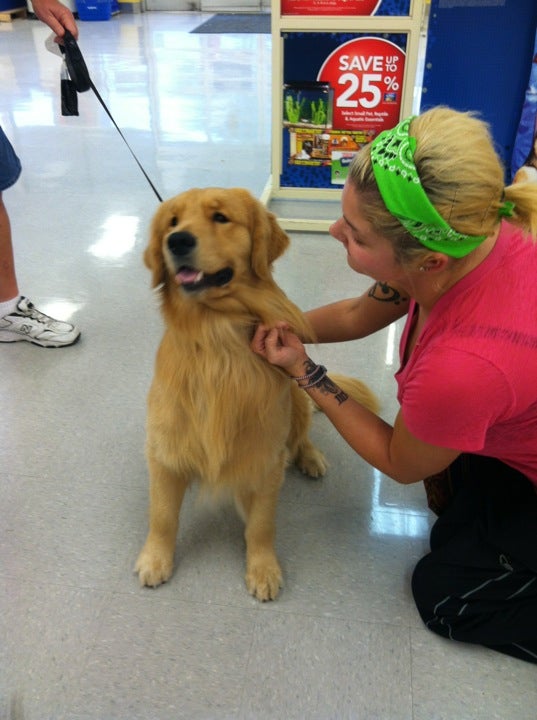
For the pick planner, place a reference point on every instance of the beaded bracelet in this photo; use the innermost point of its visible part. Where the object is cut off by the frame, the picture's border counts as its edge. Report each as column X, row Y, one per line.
column 307, row 376
column 314, row 377
column 317, row 379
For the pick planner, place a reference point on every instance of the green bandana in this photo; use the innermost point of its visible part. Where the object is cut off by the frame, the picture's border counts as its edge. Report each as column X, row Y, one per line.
column 392, row 156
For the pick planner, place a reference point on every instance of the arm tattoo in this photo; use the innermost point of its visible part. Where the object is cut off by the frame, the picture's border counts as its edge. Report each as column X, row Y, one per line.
column 385, row 293
column 326, row 386
column 329, row 387
column 309, row 366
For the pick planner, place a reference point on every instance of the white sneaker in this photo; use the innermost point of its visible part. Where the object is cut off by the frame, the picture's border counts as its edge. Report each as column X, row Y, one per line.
column 27, row 323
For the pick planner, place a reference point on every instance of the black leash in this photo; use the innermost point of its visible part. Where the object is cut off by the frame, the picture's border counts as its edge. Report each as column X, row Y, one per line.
column 81, row 81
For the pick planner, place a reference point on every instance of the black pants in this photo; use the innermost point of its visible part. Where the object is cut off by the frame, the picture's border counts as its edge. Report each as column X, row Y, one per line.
column 479, row 582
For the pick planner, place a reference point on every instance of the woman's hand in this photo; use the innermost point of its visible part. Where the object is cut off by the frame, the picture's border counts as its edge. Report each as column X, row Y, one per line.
column 281, row 347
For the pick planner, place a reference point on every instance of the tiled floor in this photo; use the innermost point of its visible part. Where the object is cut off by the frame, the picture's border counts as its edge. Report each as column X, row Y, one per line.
column 78, row 638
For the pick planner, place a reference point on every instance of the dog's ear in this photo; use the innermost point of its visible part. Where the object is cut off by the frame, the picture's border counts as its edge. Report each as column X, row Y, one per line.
column 269, row 240
column 153, row 253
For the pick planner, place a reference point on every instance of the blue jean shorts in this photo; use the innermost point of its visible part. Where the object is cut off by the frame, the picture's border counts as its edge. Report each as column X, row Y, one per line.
column 10, row 165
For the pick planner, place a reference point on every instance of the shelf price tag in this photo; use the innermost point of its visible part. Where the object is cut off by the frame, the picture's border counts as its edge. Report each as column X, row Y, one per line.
column 366, row 75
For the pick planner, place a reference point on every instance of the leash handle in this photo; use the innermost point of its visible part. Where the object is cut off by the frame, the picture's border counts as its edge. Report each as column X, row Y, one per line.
column 78, row 71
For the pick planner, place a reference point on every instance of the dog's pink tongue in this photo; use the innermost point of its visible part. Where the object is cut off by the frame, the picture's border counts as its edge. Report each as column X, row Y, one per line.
column 186, row 276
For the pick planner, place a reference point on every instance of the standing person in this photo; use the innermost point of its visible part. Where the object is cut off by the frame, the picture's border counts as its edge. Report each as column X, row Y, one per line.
column 19, row 318
column 426, row 215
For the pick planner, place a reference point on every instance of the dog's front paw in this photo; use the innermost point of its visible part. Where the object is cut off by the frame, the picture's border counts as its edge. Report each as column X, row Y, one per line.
column 264, row 579
column 311, row 461
column 153, row 567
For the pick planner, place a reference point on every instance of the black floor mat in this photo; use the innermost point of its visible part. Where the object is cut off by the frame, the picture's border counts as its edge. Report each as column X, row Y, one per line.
column 236, row 23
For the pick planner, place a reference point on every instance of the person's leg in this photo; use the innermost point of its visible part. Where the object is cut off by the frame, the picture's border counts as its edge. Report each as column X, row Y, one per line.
column 8, row 279
column 479, row 582
column 10, row 170
column 19, row 318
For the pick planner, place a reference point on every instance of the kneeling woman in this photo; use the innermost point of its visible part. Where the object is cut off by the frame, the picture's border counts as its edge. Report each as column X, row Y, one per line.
column 427, row 216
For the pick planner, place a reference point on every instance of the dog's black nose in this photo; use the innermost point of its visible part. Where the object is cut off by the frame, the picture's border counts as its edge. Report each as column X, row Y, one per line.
column 181, row 243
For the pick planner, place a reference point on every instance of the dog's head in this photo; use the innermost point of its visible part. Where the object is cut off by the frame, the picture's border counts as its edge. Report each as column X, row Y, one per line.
column 204, row 241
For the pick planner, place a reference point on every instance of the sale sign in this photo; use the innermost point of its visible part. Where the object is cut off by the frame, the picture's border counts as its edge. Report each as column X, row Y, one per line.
column 329, row 7
column 366, row 76
column 340, row 90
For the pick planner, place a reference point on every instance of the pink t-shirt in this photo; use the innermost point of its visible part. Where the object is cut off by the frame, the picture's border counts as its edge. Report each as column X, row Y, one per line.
column 471, row 381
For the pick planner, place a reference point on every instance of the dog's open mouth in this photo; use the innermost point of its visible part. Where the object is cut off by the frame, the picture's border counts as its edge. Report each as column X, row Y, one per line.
column 192, row 279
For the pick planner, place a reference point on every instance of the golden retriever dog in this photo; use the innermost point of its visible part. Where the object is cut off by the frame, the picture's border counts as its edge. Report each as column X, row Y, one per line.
column 218, row 414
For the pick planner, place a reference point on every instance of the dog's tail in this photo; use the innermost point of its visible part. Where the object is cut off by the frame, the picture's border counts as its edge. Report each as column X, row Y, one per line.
column 357, row 390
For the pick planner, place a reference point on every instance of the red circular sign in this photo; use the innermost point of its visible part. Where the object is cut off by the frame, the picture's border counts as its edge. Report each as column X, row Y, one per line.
column 366, row 76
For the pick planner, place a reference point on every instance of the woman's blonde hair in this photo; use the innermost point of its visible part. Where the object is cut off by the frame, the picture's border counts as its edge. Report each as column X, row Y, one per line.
column 462, row 175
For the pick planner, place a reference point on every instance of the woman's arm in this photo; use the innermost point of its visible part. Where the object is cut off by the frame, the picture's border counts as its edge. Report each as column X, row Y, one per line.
column 358, row 317
column 392, row 450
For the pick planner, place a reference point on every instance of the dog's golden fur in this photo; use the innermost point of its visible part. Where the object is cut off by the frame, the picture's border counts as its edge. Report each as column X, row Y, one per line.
column 218, row 413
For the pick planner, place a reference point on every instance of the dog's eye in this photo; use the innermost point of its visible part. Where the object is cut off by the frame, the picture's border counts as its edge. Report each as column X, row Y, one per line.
column 220, row 218
column 173, row 221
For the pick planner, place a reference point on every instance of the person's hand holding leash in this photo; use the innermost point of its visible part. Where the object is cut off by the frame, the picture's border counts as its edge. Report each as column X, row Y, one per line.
column 58, row 17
